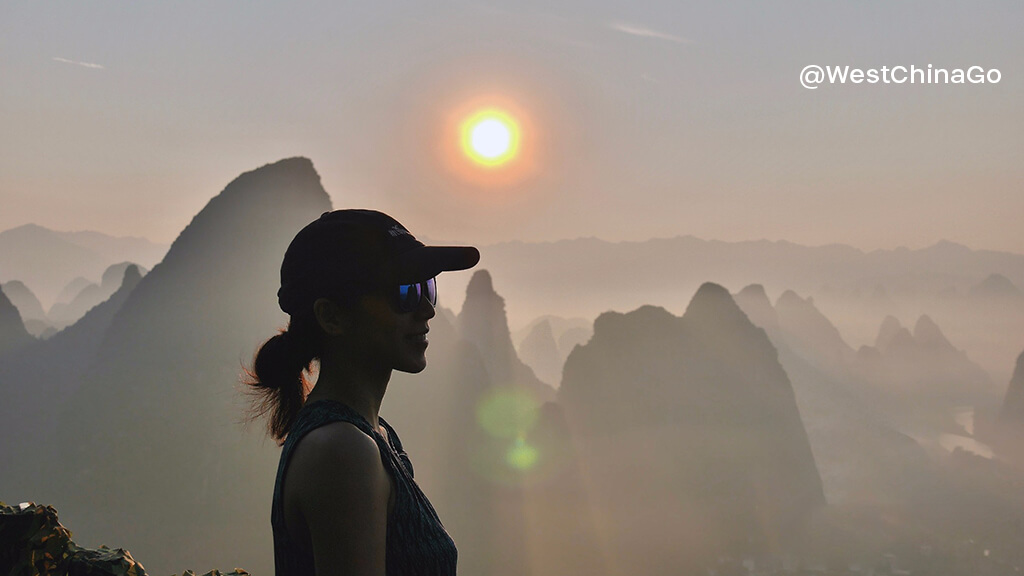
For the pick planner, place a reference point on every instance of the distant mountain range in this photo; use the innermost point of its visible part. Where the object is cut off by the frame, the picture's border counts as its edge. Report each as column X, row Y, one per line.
column 863, row 457
column 973, row 294
column 47, row 260
column 77, row 298
column 587, row 276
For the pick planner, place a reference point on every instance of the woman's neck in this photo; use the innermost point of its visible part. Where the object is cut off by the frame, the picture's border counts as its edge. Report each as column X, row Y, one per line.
column 361, row 389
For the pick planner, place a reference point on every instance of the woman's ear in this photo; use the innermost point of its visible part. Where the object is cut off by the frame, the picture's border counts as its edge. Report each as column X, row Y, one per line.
column 331, row 318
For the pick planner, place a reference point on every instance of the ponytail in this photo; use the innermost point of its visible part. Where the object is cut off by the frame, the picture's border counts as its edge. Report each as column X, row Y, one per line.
column 277, row 380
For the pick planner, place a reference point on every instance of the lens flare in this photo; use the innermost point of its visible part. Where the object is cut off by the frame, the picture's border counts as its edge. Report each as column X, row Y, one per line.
column 490, row 137
column 509, row 415
column 508, row 412
column 521, row 456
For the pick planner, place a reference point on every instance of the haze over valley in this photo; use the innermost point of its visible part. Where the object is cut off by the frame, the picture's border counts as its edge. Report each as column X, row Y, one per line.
column 589, row 407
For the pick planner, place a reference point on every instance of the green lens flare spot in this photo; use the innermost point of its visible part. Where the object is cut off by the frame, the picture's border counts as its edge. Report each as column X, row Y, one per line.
column 508, row 412
column 521, row 456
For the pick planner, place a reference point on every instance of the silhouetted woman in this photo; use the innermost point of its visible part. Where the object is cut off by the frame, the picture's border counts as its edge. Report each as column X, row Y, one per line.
column 360, row 290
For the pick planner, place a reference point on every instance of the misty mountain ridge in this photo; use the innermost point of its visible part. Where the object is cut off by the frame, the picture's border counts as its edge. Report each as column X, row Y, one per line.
column 1007, row 436
column 754, row 302
column 585, row 277
column 44, row 376
column 859, row 453
column 996, row 286
column 63, row 314
column 545, row 343
column 118, row 247
column 808, row 329
column 166, row 370
column 940, row 250
column 559, row 327
column 13, row 335
column 76, row 285
column 103, row 244
column 46, row 260
column 878, row 421
column 1013, row 404
column 922, row 363
column 878, row 448
column 539, row 350
column 701, row 404
column 22, row 297
column 889, row 329
column 588, row 266
column 482, row 322
column 560, row 264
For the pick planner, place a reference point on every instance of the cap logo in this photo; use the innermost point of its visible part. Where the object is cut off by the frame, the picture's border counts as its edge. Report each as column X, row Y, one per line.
column 397, row 230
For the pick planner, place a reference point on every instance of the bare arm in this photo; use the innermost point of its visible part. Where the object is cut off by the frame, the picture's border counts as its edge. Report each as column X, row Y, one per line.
column 342, row 491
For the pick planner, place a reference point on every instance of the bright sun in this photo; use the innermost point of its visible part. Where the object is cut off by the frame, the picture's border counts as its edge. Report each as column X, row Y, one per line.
column 490, row 137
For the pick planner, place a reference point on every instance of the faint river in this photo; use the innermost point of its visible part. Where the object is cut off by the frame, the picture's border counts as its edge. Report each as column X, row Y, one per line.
column 964, row 416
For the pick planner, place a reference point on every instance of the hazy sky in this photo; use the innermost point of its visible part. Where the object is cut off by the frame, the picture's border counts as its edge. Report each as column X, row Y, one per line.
column 637, row 120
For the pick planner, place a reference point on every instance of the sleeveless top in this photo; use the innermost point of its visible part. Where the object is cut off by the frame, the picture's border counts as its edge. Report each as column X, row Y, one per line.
column 417, row 543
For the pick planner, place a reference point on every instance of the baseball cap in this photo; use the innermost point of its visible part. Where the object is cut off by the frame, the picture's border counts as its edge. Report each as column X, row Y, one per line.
column 356, row 251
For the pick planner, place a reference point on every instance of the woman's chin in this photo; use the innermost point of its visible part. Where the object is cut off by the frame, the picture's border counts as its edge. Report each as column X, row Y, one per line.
column 413, row 366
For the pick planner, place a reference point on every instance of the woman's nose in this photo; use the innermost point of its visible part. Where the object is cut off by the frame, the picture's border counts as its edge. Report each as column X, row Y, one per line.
column 426, row 309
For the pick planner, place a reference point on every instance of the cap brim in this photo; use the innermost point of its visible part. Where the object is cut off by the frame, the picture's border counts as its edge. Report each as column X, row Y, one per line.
column 425, row 262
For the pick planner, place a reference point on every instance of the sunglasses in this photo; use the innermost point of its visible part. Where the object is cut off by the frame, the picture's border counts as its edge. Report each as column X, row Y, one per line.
column 409, row 296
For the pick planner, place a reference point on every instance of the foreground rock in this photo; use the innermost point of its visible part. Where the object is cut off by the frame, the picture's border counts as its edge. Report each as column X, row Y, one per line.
column 33, row 541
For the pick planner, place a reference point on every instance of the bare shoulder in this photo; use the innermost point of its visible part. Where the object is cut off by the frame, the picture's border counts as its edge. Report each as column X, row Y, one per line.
column 340, row 489
column 332, row 455
column 337, row 439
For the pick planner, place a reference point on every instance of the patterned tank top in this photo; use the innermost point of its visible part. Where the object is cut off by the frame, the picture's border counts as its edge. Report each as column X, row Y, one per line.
column 417, row 543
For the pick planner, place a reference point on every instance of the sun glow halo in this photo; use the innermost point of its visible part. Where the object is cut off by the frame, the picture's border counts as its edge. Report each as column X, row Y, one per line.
column 490, row 137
